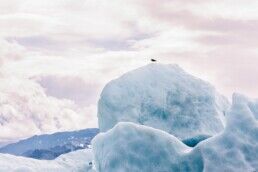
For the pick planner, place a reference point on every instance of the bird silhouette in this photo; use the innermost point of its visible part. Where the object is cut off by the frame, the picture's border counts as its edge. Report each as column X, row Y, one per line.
column 153, row 60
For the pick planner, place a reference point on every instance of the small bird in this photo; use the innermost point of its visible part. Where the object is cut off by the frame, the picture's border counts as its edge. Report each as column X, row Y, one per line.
column 153, row 60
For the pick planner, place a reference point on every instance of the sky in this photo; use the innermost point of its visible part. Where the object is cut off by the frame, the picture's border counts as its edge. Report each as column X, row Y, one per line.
column 57, row 55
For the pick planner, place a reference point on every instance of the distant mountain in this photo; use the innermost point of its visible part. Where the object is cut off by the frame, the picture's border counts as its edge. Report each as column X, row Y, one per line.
column 2, row 144
column 50, row 146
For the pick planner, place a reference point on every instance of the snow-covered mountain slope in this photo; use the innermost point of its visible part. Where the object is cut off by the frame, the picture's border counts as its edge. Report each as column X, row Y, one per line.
column 77, row 161
column 2, row 144
column 51, row 146
column 163, row 97
column 131, row 147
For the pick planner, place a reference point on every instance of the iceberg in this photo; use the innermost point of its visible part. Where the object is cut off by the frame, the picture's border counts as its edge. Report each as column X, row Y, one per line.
column 164, row 97
column 133, row 147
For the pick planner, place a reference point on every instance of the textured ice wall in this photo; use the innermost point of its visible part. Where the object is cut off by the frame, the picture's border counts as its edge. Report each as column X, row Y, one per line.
column 131, row 147
column 163, row 97
column 236, row 149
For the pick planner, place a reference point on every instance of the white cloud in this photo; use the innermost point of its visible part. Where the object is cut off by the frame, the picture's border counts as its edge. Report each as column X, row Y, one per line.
column 10, row 51
column 26, row 110
column 73, row 88
column 55, row 56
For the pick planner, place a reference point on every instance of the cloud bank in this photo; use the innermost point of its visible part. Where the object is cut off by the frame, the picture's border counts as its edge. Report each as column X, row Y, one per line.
column 56, row 56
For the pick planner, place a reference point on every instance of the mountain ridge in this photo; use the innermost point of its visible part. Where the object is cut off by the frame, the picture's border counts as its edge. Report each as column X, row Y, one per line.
column 45, row 146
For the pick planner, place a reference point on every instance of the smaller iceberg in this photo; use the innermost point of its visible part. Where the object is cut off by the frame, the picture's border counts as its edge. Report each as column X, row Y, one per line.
column 236, row 149
column 131, row 147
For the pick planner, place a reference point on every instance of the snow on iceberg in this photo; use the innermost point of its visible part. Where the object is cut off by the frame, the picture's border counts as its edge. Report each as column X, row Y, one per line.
column 132, row 147
column 163, row 97
column 77, row 161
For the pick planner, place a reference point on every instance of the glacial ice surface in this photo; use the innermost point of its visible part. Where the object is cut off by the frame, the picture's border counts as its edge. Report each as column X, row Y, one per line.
column 132, row 147
column 236, row 149
column 163, row 97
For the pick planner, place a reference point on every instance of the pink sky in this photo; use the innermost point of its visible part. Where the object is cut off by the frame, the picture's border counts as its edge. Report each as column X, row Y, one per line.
column 56, row 56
